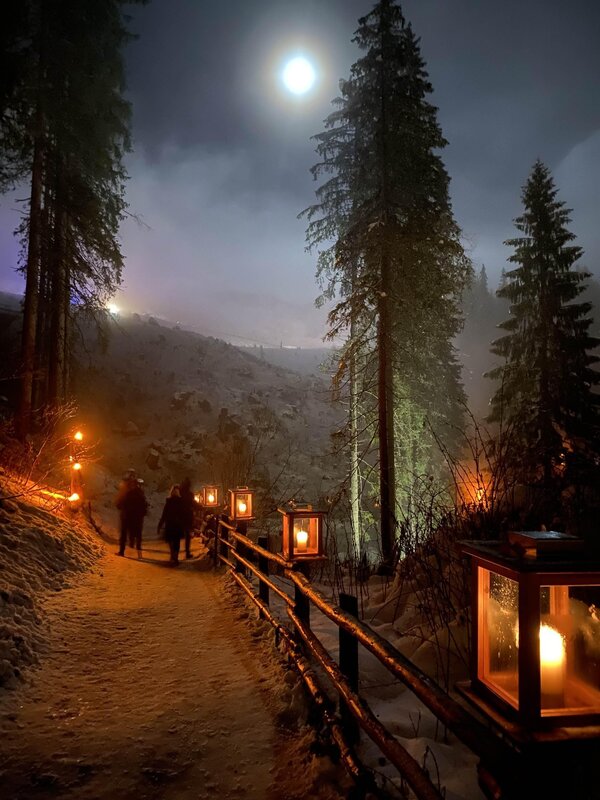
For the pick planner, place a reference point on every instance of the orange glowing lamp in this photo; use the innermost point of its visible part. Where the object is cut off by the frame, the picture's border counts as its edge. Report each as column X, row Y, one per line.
column 302, row 532
column 240, row 504
column 534, row 601
column 78, row 436
column 76, row 466
column 210, row 496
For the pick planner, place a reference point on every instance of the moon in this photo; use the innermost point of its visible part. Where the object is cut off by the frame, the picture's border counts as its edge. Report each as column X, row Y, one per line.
column 299, row 75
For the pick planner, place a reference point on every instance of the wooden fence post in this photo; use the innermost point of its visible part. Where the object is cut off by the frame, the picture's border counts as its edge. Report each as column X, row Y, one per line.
column 240, row 527
column 349, row 666
column 263, row 565
column 216, row 524
column 223, row 535
column 239, row 548
column 302, row 605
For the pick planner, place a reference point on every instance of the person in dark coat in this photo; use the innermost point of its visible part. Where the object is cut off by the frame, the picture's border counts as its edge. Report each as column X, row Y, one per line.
column 173, row 521
column 133, row 507
column 189, row 505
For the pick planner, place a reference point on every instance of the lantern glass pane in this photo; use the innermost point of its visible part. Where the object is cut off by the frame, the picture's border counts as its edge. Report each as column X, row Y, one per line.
column 211, row 496
column 498, row 631
column 570, row 650
column 300, row 535
column 306, row 540
column 243, row 505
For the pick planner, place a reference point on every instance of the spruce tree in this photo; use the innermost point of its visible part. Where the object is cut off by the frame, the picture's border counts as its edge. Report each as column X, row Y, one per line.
column 64, row 122
column 396, row 262
column 545, row 395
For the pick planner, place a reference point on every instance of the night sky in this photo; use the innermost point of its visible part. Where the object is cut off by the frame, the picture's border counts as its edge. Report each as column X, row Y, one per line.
column 222, row 153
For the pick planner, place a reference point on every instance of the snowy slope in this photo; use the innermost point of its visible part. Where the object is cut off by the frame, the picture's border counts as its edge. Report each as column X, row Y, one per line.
column 40, row 553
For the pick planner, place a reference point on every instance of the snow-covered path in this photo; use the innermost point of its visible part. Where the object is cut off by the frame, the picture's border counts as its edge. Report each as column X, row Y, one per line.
column 155, row 686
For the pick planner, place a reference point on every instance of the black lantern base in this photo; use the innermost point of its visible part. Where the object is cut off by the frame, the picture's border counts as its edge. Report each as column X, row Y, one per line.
column 548, row 729
column 557, row 763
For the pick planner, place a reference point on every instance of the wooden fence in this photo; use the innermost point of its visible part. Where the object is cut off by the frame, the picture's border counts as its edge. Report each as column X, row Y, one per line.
column 499, row 770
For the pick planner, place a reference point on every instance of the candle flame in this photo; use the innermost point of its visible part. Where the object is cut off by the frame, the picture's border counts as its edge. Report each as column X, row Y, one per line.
column 301, row 538
column 552, row 645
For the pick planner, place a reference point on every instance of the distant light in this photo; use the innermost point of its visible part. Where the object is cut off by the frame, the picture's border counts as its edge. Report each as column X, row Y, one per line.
column 299, row 75
column 78, row 436
column 77, row 466
column 113, row 309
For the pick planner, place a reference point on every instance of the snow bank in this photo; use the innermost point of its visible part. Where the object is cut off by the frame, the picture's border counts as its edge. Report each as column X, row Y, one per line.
column 39, row 553
column 308, row 770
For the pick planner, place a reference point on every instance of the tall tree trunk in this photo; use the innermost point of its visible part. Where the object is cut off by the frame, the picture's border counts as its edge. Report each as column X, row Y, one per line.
column 546, row 428
column 56, row 391
column 42, row 347
column 67, row 330
column 34, row 245
column 387, row 479
column 355, row 488
column 32, row 283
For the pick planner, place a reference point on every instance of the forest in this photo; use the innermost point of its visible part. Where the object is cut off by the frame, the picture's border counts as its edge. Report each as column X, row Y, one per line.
column 484, row 400
column 447, row 412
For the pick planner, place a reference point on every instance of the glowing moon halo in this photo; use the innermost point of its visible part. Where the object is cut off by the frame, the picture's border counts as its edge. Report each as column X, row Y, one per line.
column 299, row 75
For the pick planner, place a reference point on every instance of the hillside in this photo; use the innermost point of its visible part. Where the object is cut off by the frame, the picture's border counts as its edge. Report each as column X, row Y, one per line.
column 306, row 361
column 172, row 403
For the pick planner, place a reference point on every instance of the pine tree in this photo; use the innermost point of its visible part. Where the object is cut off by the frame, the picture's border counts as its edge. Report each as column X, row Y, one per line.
column 66, row 124
column 546, row 396
column 483, row 311
column 396, row 260
column 15, row 58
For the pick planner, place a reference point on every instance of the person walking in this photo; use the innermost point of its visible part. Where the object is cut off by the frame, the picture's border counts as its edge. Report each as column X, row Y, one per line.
column 172, row 520
column 189, row 507
column 133, row 507
column 139, row 509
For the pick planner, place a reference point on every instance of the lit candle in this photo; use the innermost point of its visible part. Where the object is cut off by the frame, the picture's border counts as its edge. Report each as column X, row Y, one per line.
column 553, row 658
column 211, row 498
column 242, row 507
column 301, row 538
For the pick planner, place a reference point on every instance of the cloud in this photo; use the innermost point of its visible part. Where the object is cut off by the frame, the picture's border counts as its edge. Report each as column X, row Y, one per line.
column 217, row 252
column 578, row 181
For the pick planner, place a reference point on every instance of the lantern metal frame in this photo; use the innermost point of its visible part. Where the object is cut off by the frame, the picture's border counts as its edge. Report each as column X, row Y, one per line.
column 206, row 491
column 234, row 513
column 291, row 513
column 530, row 575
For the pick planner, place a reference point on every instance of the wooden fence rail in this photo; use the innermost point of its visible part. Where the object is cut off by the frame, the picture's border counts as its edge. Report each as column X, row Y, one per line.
column 235, row 550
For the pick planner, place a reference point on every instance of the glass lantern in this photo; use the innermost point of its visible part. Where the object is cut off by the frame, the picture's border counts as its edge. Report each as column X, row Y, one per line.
column 302, row 532
column 536, row 628
column 240, row 503
column 210, row 496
